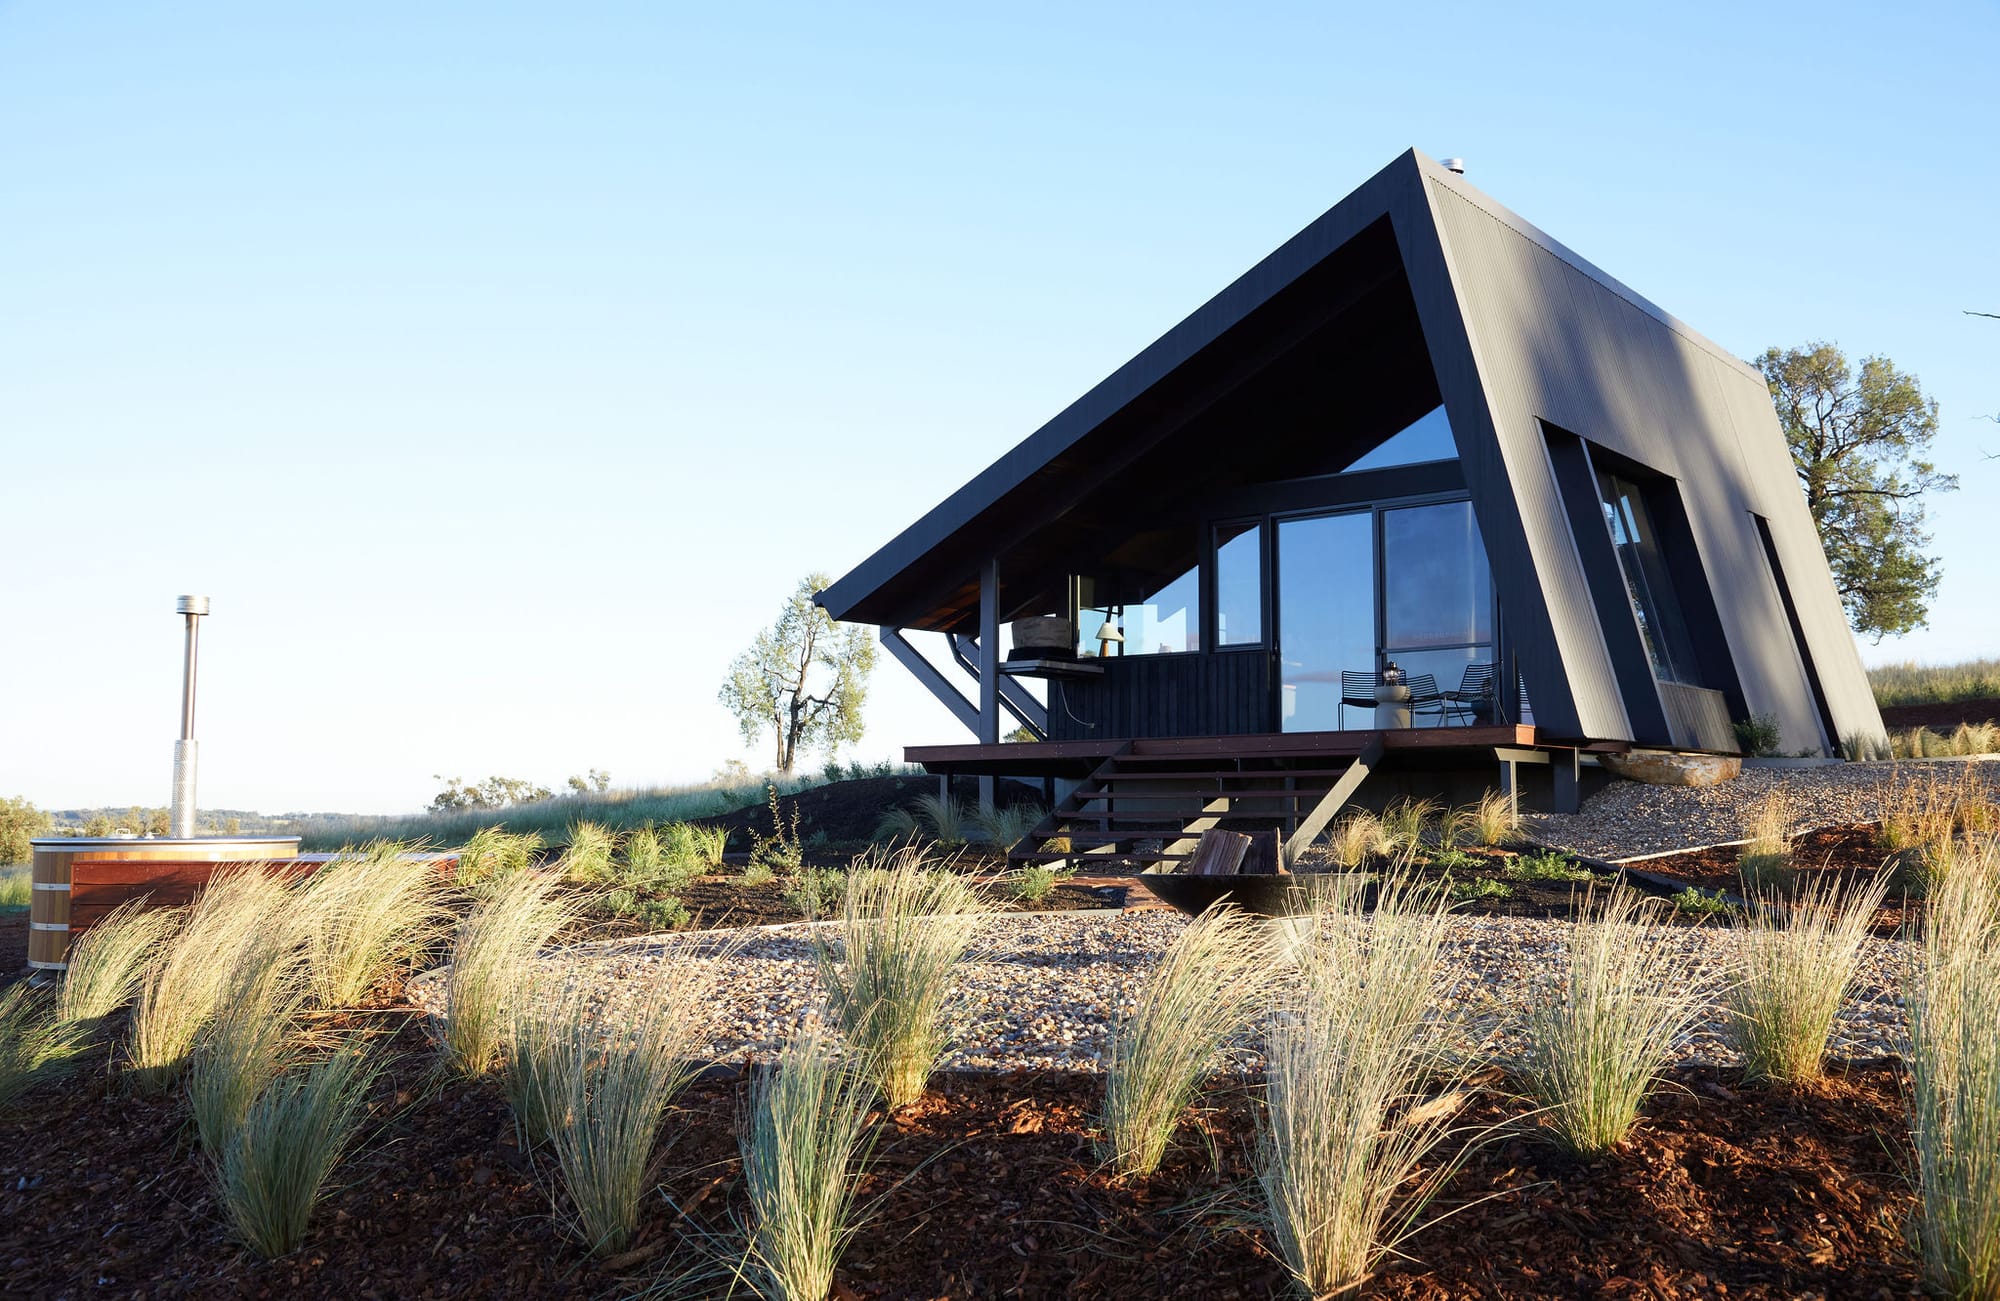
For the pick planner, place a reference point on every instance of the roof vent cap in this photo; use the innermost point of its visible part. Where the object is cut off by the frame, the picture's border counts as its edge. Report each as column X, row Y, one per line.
column 1454, row 165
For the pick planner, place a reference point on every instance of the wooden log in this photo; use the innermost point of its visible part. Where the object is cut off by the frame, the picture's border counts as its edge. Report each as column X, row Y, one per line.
column 1261, row 858
column 1218, row 853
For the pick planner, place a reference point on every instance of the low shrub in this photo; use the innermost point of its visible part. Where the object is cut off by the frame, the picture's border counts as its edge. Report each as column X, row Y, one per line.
column 586, row 860
column 1033, row 882
column 663, row 913
column 1793, row 963
column 812, row 890
column 1194, row 1002
column 1700, row 903
column 803, row 1148
column 1600, row 1033
column 947, row 821
column 1483, row 887
column 1454, row 860
column 781, row 851
column 694, row 850
column 754, row 874
column 903, row 929
column 275, row 1166
column 1546, row 865
column 1758, row 735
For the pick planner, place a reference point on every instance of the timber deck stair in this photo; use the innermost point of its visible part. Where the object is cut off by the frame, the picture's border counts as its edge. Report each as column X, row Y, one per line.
column 1148, row 802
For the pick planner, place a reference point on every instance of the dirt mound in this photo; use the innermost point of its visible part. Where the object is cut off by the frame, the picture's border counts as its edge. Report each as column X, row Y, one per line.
column 1941, row 717
column 845, row 813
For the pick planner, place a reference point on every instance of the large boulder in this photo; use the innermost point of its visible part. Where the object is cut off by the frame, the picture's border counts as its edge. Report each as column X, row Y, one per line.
column 1667, row 768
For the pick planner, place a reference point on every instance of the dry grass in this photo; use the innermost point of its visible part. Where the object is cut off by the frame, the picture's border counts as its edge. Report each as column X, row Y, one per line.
column 1765, row 864
column 587, row 859
column 1357, row 839
column 1196, row 1000
column 492, row 956
column 107, row 961
column 1601, row 1032
column 1954, row 1022
column 1358, row 1093
column 275, row 1166
column 1794, row 961
column 1405, row 822
column 366, row 915
column 35, row 1045
column 903, row 929
column 1493, row 821
column 235, row 913
column 803, row 1146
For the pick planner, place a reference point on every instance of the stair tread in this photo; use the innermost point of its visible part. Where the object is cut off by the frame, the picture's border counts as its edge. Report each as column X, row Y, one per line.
column 1275, row 792
column 1166, row 816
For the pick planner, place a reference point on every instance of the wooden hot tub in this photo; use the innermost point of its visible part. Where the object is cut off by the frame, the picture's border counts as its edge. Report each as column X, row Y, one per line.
column 78, row 880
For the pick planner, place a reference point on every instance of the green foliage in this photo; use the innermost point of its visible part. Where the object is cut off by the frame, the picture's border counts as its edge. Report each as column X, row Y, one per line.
column 781, row 851
column 1757, row 735
column 1700, row 903
column 665, row 913
column 896, row 824
column 34, row 1045
column 755, row 873
column 1003, row 828
column 1911, row 683
column 275, row 1167
column 493, row 793
column 364, row 915
column 17, row 888
column 1545, row 865
column 1033, row 882
column 1793, row 963
column 947, row 820
column 20, row 823
column 107, row 961
column 1480, row 887
column 1860, row 443
column 593, row 779
column 812, row 890
column 492, row 957
column 1404, row 824
column 804, row 679
column 1455, row 860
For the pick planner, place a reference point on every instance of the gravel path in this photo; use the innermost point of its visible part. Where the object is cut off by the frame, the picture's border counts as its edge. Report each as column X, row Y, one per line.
column 1630, row 818
column 1042, row 989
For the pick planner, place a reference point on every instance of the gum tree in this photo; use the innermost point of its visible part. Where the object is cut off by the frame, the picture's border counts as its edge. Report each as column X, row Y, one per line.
column 804, row 679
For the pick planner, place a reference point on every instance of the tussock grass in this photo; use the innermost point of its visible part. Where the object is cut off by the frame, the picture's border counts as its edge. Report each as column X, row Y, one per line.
column 947, row 821
column 1196, row 1000
column 805, row 1142
column 1954, row 1021
column 1963, row 741
column 17, row 887
column 35, row 1045
column 236, row 912
column 107, row 961
column 1911, row 683
column 275, row 1166
column 1765, row 864
column 492, row 956
column 1794, row 961
column 1358, row 1092
column 245, row 1045
column 903, row 928
column 1405, row 822
column 896, row 824
column 1005, row 828
column 1601, row 1032
column 607, row 1086
column 494, row 854
column 364, row 916
column 587, row 858
column 1357, row 839
column 1493, row 821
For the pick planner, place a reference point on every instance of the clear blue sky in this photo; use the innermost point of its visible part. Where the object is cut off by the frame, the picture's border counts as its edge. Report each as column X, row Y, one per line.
column 498, row 368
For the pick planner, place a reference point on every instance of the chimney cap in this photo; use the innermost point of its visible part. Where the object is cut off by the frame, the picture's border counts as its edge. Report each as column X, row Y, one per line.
column 1453, row 165
column 190, row 605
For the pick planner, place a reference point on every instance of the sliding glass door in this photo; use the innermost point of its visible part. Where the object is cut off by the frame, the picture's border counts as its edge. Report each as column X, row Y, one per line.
column 1326, row 614
column 1437, row 592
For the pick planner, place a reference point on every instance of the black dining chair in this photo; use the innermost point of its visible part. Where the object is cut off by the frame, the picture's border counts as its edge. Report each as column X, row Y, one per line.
column 1425, row 701
column 1477, row 692
column 1361, row 690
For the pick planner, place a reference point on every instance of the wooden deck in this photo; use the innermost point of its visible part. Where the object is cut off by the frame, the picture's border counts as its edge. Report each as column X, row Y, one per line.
column 1079, row 758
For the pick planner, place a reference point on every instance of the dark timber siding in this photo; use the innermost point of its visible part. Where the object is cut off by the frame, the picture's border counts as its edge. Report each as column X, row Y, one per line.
column 1221, row 694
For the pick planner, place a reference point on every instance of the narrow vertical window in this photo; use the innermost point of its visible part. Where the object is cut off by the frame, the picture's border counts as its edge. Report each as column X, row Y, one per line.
column 1239, row 584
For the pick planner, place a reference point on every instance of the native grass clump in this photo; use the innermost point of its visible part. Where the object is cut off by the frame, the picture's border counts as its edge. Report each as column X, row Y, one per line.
column 492, row 957
column 1930, row 823
column 806, row 1141
column 35, row 1043
column 238, row 916
column 1033, row 882
column 593, row 1083
column 1601, row 1032
column 1765, row 863
column 1953, row 1008
column 367, row 914
column 1358, row 1089
column 587, row 858
column 889, row 963
column 1794, row 961
column 107, row 962
column 1198, row 999
column 494, row 855
column 246, row 1044
column 274, row 1166
column 1493, row 821
column 1963, row 741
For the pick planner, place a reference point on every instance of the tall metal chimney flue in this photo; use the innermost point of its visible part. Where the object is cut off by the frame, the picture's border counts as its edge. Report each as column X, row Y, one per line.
column 191, row 608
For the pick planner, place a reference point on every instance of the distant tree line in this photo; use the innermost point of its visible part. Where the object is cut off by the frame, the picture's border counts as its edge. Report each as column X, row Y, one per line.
column 460, row 795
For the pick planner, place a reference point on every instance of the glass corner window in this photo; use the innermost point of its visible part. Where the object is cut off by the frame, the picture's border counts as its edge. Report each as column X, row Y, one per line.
column 1166, row 620
column 1239, row 584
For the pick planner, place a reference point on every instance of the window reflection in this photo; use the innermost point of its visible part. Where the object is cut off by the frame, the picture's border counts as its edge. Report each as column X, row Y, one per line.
column 1647, row 581
column 1239, row 584
column 1166, row 620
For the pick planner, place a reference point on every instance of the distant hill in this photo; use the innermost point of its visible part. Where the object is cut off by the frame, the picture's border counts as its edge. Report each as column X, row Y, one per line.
column 139, row 820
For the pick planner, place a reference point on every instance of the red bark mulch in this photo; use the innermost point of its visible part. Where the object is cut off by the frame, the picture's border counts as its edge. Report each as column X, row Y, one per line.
column 1850, row 852
column 988, row 1187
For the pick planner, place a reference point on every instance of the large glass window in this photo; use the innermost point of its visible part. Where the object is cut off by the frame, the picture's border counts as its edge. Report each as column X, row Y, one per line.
column 1437, row 589
column 1647, row 579
column 1428, row 439
column 1326, row 604
column 1164, row 620
column 1239, row 584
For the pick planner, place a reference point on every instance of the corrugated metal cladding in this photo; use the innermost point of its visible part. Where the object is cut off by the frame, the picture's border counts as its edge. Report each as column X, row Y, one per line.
column 1555, row 343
